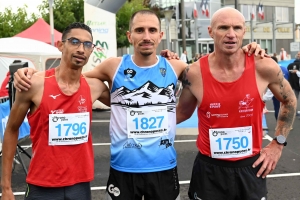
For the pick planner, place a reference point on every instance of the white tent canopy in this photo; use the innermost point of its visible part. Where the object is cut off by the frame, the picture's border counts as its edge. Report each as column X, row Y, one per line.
column 22, row 48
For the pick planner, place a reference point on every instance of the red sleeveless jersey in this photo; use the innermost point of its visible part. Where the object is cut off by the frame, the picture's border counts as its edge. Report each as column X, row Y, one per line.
column 229, row 105
column 60, row 165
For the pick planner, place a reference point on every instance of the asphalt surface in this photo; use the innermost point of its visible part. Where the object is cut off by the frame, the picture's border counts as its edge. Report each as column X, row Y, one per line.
column 283, row 183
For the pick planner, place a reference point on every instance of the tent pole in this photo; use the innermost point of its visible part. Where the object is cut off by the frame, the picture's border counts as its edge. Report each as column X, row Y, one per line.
column 51, row 21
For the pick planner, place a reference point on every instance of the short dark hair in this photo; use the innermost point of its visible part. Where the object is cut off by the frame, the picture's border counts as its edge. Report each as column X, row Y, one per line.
column 142, row 12
column 73, row 26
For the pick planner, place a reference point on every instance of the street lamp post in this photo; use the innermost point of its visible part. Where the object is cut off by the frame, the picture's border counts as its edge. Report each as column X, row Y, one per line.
column 51, row 21
column 168, row 15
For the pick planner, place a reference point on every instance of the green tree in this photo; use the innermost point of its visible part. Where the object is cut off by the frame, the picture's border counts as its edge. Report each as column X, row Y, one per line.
column 14, row 23
column 64, row 12
column 123, row 17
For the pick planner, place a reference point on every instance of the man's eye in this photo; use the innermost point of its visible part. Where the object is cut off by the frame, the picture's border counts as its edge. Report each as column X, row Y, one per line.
column 88, row 44
column 75, row 41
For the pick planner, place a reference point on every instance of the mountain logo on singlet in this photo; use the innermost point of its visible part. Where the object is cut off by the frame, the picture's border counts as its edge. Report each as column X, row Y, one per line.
column 146, row 95
column 129, row 74
column 163, row 71
column 54, row 96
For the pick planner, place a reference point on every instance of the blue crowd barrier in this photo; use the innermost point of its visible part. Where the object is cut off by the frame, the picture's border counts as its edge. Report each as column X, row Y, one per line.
column 24, row 130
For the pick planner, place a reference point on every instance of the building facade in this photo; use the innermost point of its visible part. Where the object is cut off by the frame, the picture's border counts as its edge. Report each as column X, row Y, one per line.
column 265, row 20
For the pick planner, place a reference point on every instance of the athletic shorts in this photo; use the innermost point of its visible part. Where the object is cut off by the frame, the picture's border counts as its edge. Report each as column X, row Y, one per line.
column 215, row 179
column 80, row 191
column 163, row 185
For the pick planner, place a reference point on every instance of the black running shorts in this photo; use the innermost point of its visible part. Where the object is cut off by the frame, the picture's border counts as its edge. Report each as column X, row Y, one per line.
column 163, row 185
column 80, row 191
column 215, row 179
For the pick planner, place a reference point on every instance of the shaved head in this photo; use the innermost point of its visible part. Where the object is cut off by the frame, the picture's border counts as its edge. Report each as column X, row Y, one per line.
column 226, row 12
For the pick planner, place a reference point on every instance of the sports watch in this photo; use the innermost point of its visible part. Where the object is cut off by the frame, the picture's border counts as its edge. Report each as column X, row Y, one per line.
column 280, row 140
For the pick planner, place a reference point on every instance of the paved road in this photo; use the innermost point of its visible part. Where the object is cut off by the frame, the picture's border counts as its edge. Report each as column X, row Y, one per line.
column 283, row 183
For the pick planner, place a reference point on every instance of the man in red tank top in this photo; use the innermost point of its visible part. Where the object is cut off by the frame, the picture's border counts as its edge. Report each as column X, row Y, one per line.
column 226, row 87
column 60, row 100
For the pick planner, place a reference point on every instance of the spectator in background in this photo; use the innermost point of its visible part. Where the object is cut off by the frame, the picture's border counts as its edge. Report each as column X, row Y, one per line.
column 294, row 68
column 283, row 54
column 266, row 50
column 269, row 95
column 197, row 56
column 275, row 57
column 184, row 57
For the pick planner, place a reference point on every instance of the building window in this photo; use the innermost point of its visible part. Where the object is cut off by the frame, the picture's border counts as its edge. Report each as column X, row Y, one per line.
column 247, row 11
column 267, row 44
column 282, row 14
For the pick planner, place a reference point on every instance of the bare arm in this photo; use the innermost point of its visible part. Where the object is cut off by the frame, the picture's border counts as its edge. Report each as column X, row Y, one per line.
column 99, row 91
column 105, row 70
column 187, row 101
column 269, row 70
column 19, row 109
column 105, row 97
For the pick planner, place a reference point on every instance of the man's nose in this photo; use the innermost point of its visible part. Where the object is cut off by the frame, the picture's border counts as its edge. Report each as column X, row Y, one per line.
column 146, row 35
column 230, row 32
column 80, row 48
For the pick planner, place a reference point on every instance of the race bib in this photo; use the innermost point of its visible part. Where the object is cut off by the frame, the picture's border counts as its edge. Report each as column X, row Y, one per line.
column 230, row 142
column 69, row 129
column 147, row 122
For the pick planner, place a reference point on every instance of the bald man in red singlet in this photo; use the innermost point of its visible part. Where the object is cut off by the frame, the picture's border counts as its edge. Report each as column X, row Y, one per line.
column 227, row 86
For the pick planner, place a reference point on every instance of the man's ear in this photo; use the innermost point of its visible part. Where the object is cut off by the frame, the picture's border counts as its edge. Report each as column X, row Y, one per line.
column 60, row 46
column 210, row 31
column 128, row 34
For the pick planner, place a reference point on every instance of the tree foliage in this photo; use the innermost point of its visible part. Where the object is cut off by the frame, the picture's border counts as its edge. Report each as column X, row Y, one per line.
column 14, row 23
column 64, row 12
column 123, row 17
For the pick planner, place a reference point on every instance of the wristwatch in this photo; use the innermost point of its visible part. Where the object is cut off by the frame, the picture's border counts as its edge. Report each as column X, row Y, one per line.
column 280, row 140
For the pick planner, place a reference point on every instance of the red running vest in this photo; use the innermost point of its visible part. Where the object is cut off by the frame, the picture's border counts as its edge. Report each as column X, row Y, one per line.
column 229, row 105
column 58, row 166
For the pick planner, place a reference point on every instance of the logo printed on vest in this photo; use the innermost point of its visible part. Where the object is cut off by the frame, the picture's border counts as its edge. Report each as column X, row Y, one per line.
column 129, row 145
column 81, row 100
column 163, row 71
column 54, row 96
column 58, row 111
column 82, row 109
column 245, row 105
column 215, row 105
column 129, row 74
column 165, row 142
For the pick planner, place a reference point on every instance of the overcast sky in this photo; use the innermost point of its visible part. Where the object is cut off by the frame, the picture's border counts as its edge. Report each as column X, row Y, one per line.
column 32, row 6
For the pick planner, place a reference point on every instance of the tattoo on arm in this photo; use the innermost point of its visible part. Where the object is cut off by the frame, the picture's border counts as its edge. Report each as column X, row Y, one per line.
column 281, row 86
column 287, row 111
column 185, row 81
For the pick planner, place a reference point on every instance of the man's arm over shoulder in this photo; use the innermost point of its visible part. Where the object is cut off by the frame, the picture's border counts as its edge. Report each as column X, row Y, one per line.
column 99, row 91
column 105, row 70
column 188, row 101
